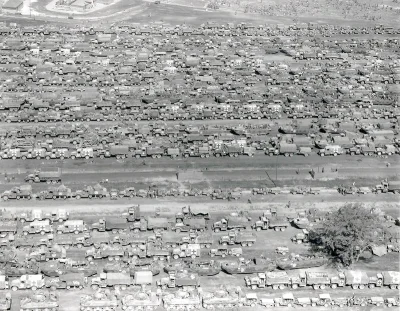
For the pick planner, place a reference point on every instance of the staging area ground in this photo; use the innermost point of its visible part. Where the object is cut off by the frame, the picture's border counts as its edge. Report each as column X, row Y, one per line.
column 243, row 172
column 271, row 12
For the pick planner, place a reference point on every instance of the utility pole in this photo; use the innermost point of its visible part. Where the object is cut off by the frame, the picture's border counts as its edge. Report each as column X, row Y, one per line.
column 276, row 168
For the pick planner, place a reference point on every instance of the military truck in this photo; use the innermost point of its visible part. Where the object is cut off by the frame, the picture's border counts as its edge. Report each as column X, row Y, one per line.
column 233, row 221
column 197, row 151
column 179, row 279
column 154, row 152
column 114, row 224
column 8, row 227
column 89, row 192
column 46, row 254
column 276, row 223
column 75, row 226
column 228, row 150
column 28, row 281
column 331, row 150
column 61, row 192
column 17, row 193
column 59, row 215
column 186, row 250
column 120, row 280
column 273, row 279
column 223, row 251
column 67, row 281
column 109, row 252
column 38, row 226
column 158, row 252
column 151, row 223
column 48, row 175
column 205, row 240
column 388, row 186
column 242, row 238
column 288, row 150
column 190, row 225
column 192, row 212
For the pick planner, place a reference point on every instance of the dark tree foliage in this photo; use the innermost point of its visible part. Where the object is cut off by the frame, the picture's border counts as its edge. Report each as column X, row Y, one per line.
column 348, row 232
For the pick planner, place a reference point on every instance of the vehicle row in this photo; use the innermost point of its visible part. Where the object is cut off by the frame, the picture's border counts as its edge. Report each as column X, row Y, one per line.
column 203, row 147
column 193, row 299
column 245, row 27
column 98, row 191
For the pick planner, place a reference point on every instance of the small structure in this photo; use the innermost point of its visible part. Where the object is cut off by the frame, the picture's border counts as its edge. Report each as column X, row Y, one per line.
column 13, row 6
column 82, row 5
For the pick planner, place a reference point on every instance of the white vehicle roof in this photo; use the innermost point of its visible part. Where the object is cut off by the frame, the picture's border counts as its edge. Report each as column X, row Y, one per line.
column 40, row 222
column 377, row 299
column 276, row 274
column 73, row 222
column 287, row 296
column 251, row 296
column 324, row 296
column 304, row 299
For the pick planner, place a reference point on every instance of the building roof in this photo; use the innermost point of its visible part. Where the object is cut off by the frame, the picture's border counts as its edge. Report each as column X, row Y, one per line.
column 12, row 4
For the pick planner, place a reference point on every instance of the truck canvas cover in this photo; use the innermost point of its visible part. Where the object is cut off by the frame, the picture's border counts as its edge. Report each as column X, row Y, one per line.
column 157, row 222
column 356, row 277
column 8, row 226
column 196, row 210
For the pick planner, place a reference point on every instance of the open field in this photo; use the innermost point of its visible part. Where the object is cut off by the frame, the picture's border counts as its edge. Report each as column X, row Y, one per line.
column 361, row 12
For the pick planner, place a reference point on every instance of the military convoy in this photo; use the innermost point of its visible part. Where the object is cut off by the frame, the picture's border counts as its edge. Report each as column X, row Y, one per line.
column 323, row 280
column 99, row 192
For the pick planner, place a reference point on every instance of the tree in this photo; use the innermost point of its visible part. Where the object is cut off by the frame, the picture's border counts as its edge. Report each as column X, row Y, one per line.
column 348, row 232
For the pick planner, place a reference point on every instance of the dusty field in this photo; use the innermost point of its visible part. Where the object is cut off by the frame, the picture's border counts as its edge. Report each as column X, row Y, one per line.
column 362, row 12
column 246, row 173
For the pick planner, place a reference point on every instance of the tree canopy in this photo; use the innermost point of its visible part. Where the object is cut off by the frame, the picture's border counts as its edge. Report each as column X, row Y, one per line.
column 348, row 232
